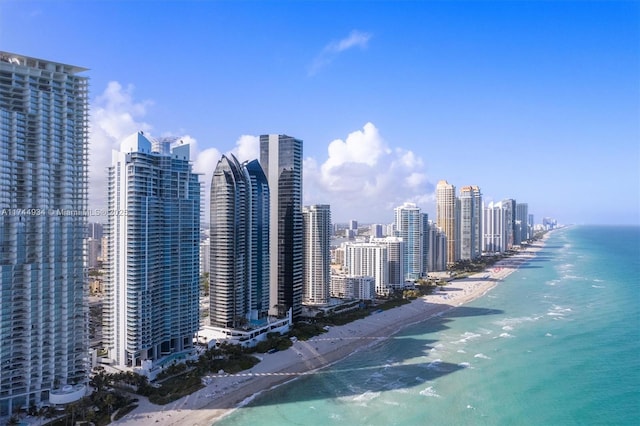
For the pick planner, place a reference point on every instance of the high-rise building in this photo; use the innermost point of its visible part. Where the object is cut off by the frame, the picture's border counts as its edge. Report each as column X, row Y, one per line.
column 317, row 254
column 395, row 261
column 437, row 256
column 43, row 200
column 446, row 217
column 205, row 251
column 426, row 244
column 522, row 223
column 376, row 230
column 94, row 251
column 470, row 222
column 370, row 260
column 509, row 206
column 95, row 230
column 408, row 226
column 353, row 226
column 530, row 224
column 281, row 160
column 152, row 287
column 494, row 228
column 239, row 245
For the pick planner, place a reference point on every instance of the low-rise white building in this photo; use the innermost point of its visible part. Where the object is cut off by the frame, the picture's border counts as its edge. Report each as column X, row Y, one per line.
column 359, row 287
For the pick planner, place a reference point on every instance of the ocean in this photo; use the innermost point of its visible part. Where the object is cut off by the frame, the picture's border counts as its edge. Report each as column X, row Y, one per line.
column 556, row 343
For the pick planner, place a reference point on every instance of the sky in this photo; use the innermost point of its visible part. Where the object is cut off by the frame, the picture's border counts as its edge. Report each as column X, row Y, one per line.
column 535, row 101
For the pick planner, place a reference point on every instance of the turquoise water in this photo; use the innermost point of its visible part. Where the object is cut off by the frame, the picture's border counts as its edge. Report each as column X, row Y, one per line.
column 556, row 343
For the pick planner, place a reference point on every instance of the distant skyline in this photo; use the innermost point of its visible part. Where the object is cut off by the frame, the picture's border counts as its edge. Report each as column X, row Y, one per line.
column 535, row 101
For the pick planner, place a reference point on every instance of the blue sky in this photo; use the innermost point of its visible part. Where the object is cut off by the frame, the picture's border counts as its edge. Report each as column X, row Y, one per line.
column 536, row 101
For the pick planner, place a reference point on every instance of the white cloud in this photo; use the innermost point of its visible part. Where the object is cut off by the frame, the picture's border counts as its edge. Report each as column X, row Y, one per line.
column 332, row 50
column 114, row 116
column 364, row 179
column 247, row 148
column 355, row 39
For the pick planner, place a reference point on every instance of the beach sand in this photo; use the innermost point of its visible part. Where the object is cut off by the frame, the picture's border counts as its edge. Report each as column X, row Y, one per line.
column 228, row 392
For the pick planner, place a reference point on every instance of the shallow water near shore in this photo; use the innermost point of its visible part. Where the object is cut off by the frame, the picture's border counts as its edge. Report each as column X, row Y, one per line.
column 556, row 342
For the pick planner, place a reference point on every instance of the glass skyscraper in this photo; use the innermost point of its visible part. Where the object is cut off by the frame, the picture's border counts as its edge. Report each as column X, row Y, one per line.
column 408, row 225
column 317, row 254
column 43, row 200
column 239, row 250
column 152, row 286
column 281, row 160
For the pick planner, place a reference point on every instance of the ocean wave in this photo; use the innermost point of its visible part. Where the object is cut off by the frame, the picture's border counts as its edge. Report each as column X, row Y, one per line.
column 558, row 308
column 434, row 364
column 464, row 365
column 367, row 396
column 598, row 286
column 481, row 356
column 513, row 321
column 467, row 336
column 429, row 392
column 505, row 335
column 572, row 277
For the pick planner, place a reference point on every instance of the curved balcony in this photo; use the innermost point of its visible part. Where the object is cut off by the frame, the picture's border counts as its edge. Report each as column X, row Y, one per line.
column 67, row 394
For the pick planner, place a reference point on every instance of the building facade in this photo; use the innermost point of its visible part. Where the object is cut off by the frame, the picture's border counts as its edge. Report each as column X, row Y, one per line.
column 446, row 217
column 152, row 287
column 437, row 249
column 522, row 223
column 43, row 199
column 408, row 225
column 239, row 244
column 353, row 287
column 281, row 160
column 470, row 222
column 495, row 229
column 371, row 260
column 509, row 207
column 317, row 254
column 395, row 261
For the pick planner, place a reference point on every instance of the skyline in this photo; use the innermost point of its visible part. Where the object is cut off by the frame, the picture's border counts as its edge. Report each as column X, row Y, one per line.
column 378, row 94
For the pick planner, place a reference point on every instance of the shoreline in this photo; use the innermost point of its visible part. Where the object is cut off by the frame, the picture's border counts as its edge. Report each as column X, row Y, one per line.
column 228, row 392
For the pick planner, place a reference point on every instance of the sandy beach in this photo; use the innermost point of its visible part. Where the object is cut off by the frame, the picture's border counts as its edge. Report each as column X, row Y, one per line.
column 228, row 392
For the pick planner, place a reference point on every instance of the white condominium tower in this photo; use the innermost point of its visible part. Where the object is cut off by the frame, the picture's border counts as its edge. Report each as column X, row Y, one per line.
column 281, row 160
column 408, row 226
column 239, row 247
column 370, row 260
column 395, row 261
column 494, row 228
column 152, row 286
column 446, row 217
column 43, row 200
column 317, row 254
column 470, row 222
